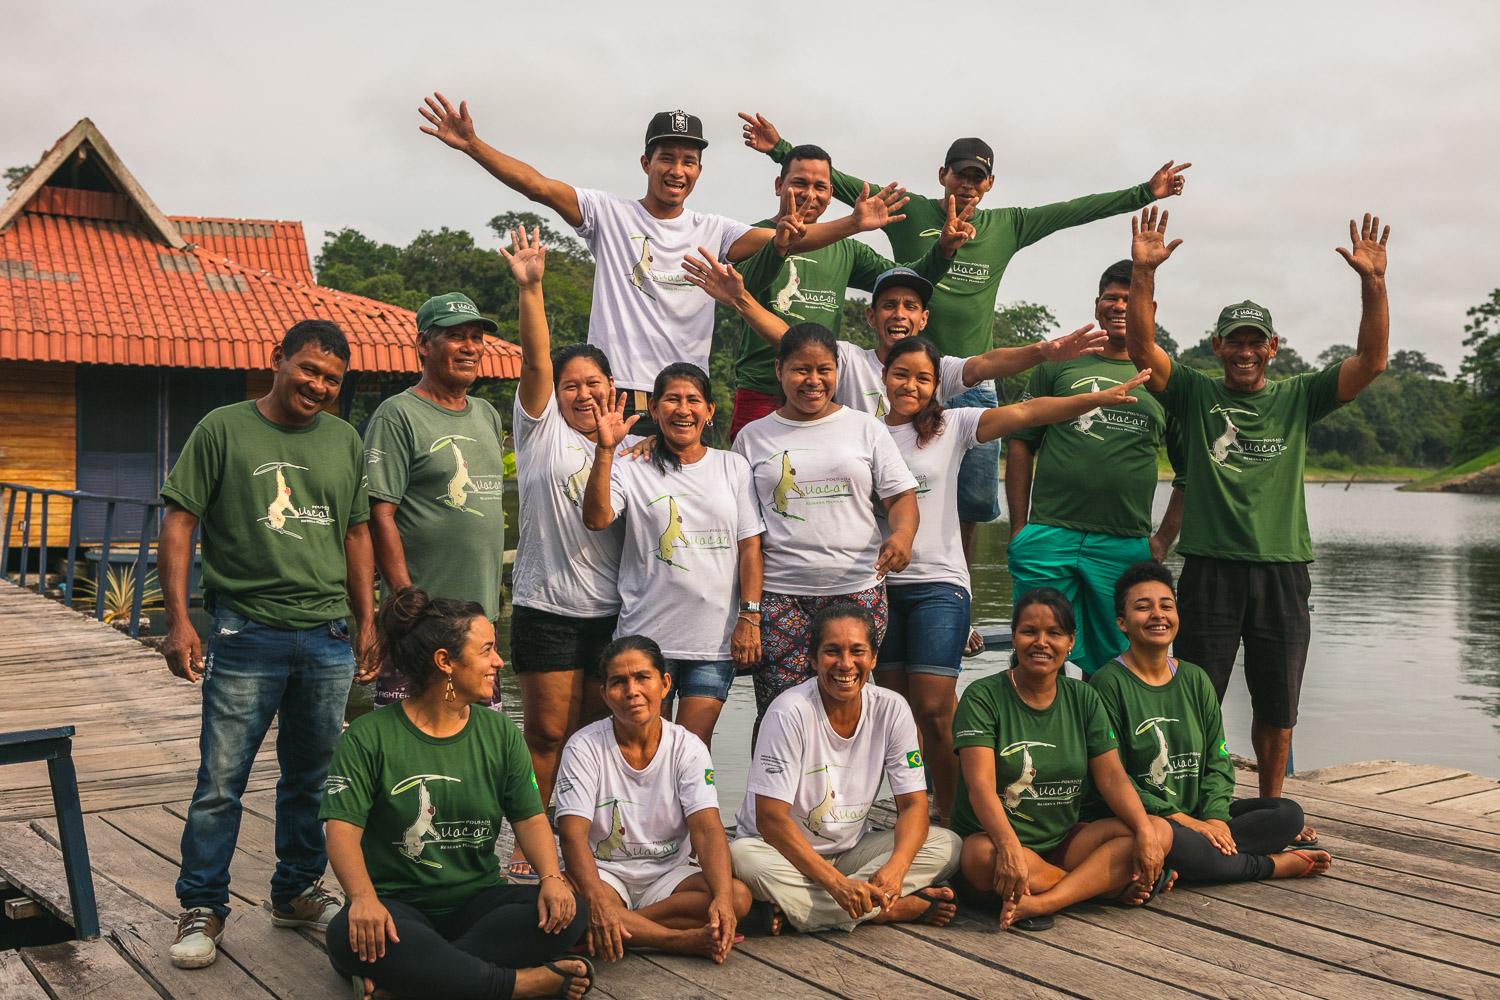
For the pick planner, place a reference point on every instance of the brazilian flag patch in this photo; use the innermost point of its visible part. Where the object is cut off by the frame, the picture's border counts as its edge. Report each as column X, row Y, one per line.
column 1223, row 748
column 914, row 758
column 533, row 781
column 708, row 776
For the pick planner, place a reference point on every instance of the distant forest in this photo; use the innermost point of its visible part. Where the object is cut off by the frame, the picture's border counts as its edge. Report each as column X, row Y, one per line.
column 1414, row 415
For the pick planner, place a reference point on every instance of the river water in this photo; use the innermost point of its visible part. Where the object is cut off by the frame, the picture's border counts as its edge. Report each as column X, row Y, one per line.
column 1405, row 658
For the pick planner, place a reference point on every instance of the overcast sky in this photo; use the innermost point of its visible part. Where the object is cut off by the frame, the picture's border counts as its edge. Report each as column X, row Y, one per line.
column 1295, row 115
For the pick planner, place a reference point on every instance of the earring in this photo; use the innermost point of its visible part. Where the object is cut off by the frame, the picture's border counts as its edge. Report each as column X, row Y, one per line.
column 449, row 694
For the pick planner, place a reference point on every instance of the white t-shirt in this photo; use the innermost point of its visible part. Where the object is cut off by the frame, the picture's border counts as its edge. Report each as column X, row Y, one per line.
column 561, row 566
column 639, row 818
column 830, row 781
column 679, row 569
column 937, row 552
column 645, row 313
column 816, row 482
column 861, row 384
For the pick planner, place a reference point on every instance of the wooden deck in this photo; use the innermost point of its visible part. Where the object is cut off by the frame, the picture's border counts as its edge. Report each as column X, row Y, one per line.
column 1410, row 907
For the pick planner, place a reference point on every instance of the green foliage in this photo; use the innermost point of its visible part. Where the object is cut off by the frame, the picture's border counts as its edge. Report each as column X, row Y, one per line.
column 1479, row 427
column 1166, row 341
column 1017, row 325
column 15, row 175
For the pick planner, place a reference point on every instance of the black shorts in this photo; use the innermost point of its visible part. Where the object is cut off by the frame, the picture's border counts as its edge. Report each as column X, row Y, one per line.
column 542, row 642
column 1222, row 601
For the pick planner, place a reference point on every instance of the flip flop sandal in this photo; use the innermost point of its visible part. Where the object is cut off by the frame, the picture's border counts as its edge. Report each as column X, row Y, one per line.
column 974, row 639
column 933, row 902
column 521, row 873
column 1311, row 864
column 1160, row 884
column 1034, row 924
column 1297, row 845
column 761, row 916
column 568, row 977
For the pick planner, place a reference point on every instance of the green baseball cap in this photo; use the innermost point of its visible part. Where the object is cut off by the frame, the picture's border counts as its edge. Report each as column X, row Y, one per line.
column 452, row 309
column 1244, row 314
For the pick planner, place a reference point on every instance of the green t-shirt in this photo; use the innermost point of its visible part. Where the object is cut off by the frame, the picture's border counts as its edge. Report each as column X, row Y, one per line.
column 1172, row 740
column 274, row 503
column 445, row 470
column 430, row 808
column 1244, row 454
column 1096, row 472
column 809, row 288
column 963, row 304
column 1041, row 758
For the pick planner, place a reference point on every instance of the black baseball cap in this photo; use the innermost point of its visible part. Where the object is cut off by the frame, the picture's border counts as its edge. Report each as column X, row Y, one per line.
column 675, row 125
column 970, row 152
column 903, row 277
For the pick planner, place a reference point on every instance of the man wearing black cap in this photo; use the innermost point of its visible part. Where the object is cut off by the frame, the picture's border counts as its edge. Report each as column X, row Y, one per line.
column 435, row 469
column 1243, row 441
column 963, row 304
column 645, row 315
column 898, row 309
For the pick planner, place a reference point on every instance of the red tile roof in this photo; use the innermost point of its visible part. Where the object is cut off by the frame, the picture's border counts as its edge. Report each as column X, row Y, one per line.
column 260, row 244
column 102, row 292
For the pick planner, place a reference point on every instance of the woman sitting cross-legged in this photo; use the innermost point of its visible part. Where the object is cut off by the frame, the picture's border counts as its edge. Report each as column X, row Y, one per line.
column 1029, row 742
column 1172, row 738
column 413, row 801
column 805, row 847
column 636, row 798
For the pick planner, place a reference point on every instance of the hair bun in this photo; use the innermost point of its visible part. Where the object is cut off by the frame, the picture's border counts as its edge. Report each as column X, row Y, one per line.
column 408, row 605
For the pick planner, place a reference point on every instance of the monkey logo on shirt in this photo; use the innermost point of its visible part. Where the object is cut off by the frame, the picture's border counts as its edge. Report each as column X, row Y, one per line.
column 667, row 545
column 1025, row 783
column 282, row 509
column 1161, row 764
column 792, row 291
column 461, row 485
column 423, row 829
column 785, row 487
column 640, row 274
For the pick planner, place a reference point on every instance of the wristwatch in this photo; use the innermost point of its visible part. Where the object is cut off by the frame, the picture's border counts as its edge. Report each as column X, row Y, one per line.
column 749, row 607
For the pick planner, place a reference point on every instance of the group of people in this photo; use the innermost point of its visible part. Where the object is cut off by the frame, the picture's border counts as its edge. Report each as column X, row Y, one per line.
column 829, row 547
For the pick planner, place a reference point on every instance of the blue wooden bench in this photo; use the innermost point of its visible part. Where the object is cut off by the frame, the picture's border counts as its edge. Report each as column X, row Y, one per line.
column 55, row 746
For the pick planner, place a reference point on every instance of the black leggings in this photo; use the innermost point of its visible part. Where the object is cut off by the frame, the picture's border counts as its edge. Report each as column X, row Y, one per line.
column 1259, row 827
column 470, row 954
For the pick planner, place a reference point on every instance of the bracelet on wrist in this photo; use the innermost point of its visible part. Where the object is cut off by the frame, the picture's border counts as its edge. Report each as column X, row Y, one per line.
column 552, row 875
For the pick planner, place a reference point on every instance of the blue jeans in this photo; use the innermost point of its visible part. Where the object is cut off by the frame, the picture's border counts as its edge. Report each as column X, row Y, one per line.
column 979, row 472
column 928, row 629
column 251, row 674
column 700, row 678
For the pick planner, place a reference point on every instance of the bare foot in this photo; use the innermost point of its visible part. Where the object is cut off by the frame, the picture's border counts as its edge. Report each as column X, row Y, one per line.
column 543, row 982
column 932, row 906
column 773, row 925
column 1139, row 894
column 975, row 644
column 518, row 869
column 1307, row 836
column 1020, row 909
column 698, row 941
column 1301, row 864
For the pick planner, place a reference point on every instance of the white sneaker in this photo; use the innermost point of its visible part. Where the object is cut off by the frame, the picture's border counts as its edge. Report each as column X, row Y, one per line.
column 313, row 908
column 198, row 934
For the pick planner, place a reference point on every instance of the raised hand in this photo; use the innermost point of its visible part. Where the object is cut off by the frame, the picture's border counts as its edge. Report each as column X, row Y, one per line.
column 1148, row 239
column 1168, row 180
column 1116, row 395
column 1084, row 340
column 455, row 128
column 527, row 257
column 613, row 423
column 789, row 225
column 722, row 282
column 760, row 135
column 957, row 230
column 875, row 211
column 1368, row 254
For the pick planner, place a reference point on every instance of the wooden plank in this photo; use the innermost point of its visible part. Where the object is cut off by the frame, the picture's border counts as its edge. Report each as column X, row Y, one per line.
column 89, row 969
column 815, row 959
column 1288, row 931
column 1344, row 772
column 286, row 963
column 16, row 980
column 1378, row 856
column 1435, row 915
column 742, row 977
column 1031, row 956
column 1460, row 897
column 1408, row 776
column 1436, row 823
column 1407, row 843
column 1439, row 792
column 891, row 946
column 1482, row 803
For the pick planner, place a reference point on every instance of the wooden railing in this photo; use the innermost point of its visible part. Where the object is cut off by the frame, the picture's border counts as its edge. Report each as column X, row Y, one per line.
column 35, row 509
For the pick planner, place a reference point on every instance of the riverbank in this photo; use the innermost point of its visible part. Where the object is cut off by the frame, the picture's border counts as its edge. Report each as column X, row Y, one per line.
column 1480, row 474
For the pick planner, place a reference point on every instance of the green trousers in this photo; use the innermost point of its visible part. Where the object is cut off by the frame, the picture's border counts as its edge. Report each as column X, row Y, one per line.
column 1084, row 565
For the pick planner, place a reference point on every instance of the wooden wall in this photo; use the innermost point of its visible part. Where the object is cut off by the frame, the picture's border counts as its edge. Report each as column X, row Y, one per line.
column 38, row 438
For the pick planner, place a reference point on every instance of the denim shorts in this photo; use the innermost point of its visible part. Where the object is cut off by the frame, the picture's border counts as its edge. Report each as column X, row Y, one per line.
column 979, row 472
column 928, row 629
column 701, row 678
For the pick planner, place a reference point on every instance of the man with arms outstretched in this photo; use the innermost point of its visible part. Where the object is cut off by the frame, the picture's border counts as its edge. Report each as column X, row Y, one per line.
column 1244, row 444
column 963, row 303
column 1086, row 516
column 645, row 315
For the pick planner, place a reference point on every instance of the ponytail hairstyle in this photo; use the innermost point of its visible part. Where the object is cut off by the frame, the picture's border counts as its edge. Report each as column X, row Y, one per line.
column 928, row 421
column 411, row 627
column 632, row 644
column 837, row 611
column 662, row 456
column 1050, row 597
column 563, row 355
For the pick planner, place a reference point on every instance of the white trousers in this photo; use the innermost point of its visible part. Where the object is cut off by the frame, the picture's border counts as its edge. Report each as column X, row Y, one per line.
column 807, row 905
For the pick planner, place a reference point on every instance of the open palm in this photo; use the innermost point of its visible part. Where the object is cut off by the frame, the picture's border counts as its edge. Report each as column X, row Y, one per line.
column 1368, row 254
column 527, row 257
column 453, row 127
column 1148, row 238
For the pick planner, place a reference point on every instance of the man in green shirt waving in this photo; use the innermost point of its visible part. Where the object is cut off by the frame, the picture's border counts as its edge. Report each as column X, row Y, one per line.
column 1244, row 443
column 963, row 304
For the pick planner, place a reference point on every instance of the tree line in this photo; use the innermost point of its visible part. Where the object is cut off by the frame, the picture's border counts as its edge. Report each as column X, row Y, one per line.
column 1414, row 415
